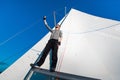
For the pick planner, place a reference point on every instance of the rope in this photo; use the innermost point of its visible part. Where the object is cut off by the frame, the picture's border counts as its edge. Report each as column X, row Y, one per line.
column 6, row 59
column 64, row 19
column 99, row 29
column 62, row 56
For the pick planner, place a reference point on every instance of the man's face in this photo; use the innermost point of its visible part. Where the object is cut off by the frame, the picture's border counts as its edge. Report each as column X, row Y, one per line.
column 57, row 27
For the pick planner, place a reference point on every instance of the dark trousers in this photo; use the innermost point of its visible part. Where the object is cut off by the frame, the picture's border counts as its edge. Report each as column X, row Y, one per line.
column 52, row 44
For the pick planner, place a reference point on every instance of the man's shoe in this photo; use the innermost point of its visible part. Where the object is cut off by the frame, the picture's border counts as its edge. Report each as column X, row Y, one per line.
column 52, row 70
column 34, row 65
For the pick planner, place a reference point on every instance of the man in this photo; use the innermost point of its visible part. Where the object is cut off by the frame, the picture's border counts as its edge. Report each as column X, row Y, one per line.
column 53, row 44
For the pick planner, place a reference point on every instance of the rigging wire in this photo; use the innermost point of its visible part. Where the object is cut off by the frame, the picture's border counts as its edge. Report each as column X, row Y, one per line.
column 25, row 29
column 18, row 33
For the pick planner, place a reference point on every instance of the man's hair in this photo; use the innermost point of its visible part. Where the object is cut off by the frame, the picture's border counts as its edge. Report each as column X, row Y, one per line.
column 58, row 25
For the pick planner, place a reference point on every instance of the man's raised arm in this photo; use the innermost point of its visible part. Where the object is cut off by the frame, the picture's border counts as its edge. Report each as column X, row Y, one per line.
column 46, row 24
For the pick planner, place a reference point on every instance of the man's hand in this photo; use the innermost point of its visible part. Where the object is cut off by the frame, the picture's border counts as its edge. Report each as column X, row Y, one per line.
column 44, row 18
column 59, row 43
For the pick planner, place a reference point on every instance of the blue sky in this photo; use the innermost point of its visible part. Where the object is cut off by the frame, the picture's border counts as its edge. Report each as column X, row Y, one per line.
column 21, row 24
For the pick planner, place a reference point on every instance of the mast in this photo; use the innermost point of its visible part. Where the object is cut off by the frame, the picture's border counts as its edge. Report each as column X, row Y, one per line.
column 54, row 18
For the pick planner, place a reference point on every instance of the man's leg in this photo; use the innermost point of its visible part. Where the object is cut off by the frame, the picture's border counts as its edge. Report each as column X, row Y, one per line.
column 54, row 57
column 44, row 54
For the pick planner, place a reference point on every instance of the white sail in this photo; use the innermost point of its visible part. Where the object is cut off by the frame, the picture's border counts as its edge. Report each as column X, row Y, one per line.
column 90, row 47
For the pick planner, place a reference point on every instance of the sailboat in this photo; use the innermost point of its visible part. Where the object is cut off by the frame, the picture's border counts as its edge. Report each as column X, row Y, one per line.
column 89, row 49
